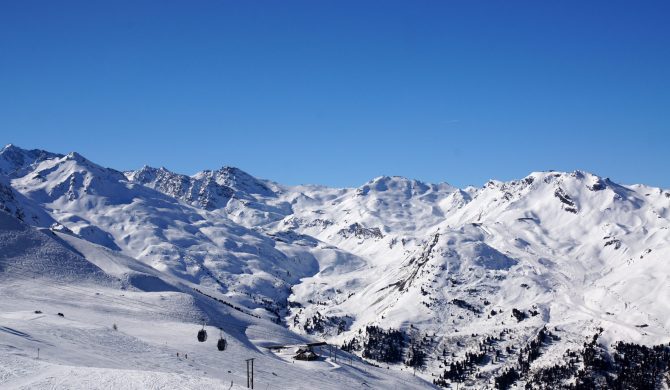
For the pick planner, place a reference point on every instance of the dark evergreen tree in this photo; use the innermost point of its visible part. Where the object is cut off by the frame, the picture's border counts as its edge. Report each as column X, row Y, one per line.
column 384, row 345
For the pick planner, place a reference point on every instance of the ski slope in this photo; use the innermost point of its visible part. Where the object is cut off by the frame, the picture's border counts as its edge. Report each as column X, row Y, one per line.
column 155, row 321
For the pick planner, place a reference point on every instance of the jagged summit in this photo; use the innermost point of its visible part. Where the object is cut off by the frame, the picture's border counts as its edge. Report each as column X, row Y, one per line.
column 147, row 173
column 13, row 159
column 202, row 192
column 239, row 180
column 77, row 157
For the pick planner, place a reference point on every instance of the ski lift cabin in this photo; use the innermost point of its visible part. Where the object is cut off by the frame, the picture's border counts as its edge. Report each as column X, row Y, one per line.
column 202, row 333
column 222, row 343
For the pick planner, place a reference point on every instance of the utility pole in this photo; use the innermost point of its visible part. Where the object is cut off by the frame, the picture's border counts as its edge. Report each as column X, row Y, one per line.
column 250, row 379
column 38, row 353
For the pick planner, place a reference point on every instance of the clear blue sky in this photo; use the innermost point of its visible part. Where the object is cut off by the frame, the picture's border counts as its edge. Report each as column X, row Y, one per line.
column 337, row 92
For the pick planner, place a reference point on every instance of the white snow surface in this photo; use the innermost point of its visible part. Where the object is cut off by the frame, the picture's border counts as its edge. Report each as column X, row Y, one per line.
column 133, row 249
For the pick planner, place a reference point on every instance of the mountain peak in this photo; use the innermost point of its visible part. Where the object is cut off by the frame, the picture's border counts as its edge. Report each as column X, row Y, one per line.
column 149, row 168
column 76, row 157
column 231, row 169
column 234, row 173
column 14, row 159
column 8, row 147
column 148, row 174
column 401, row 183
column 240, row 180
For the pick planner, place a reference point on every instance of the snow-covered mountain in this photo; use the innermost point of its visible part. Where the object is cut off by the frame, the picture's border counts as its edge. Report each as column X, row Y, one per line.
column 482, row 286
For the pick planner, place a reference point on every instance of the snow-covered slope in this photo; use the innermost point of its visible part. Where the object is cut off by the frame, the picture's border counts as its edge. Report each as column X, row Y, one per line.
column 428, row 268
column 114, row 322
column 28, row 252
column 100, row 205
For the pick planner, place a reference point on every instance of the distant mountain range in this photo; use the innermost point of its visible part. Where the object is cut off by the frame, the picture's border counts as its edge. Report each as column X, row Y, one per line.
column 459, row 282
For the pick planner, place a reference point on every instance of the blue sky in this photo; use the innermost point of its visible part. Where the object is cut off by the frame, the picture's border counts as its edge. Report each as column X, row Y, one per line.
column 338, row 92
